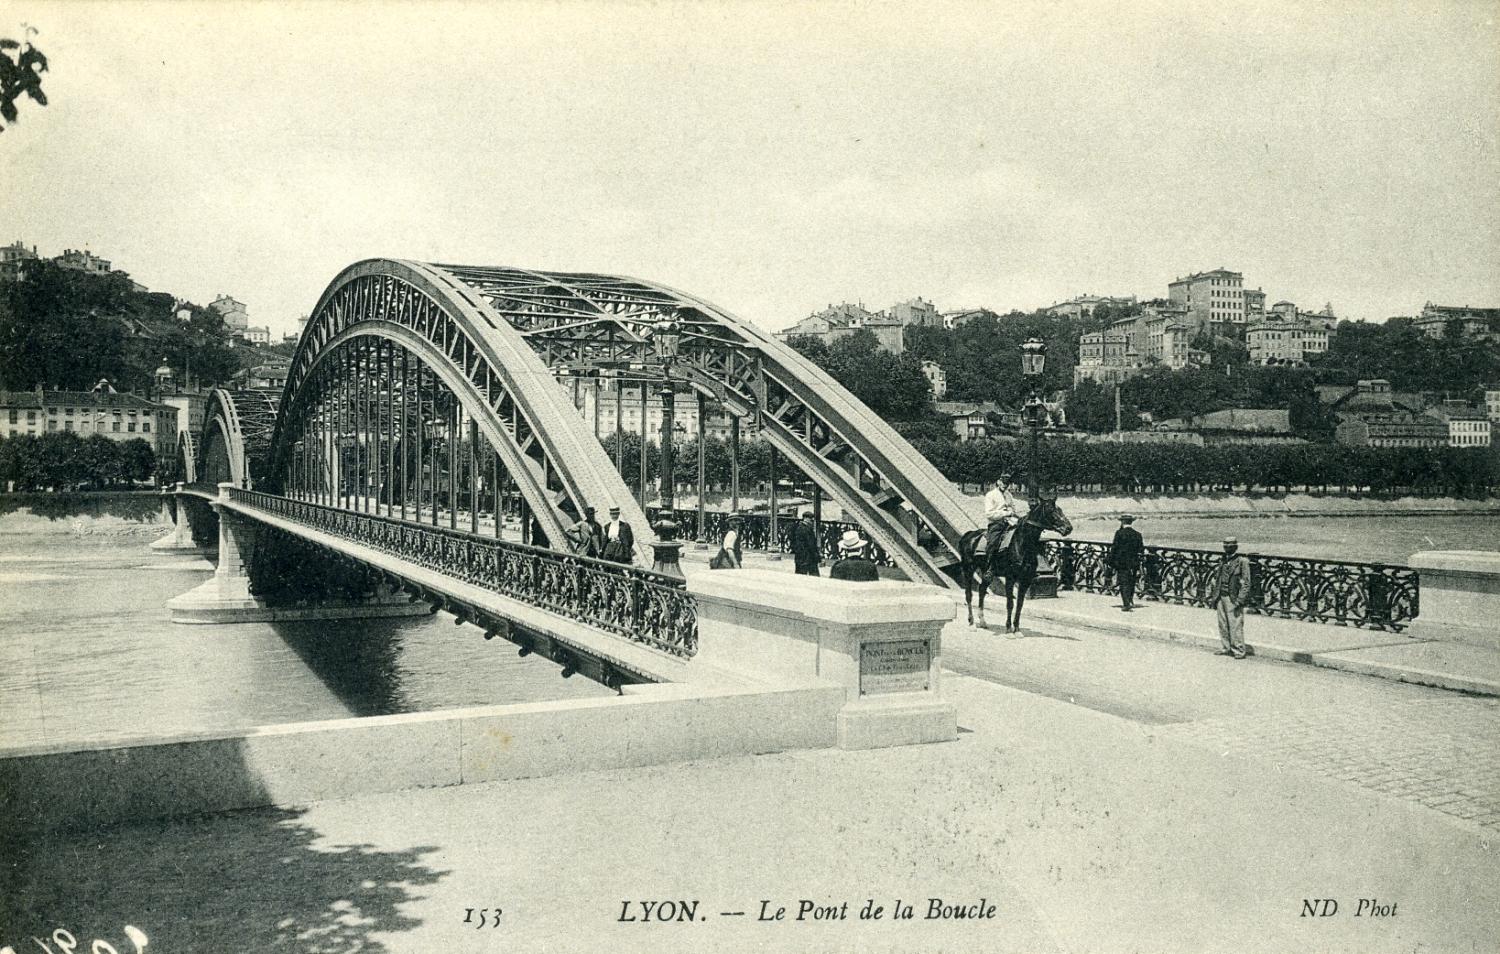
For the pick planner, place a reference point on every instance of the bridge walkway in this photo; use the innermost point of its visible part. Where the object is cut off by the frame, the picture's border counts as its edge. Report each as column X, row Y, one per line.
column 630, row 623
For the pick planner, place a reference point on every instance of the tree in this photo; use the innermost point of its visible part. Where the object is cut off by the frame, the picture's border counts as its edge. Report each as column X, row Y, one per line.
column 139, row 460
column 101, row 461
column 21, row 69
column 1091, row 407
column 892, row 386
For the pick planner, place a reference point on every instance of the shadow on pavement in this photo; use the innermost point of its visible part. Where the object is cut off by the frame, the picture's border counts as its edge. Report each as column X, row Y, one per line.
column 248, row 881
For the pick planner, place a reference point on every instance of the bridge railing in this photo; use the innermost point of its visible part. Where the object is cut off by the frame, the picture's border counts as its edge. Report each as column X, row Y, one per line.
column 641, row 605
column 756, row 534
column 1371, row 595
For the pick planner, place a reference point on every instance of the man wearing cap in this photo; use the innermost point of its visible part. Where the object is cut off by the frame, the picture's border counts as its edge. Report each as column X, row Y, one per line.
column 586, row 535
column 805, row 549
column 853, row 563
column 1231, row 594
column 1125, row 559
column 619, row 541
column 1000, row 510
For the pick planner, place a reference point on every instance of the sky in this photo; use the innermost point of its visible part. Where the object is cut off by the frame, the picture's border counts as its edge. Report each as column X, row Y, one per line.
column 773, row 158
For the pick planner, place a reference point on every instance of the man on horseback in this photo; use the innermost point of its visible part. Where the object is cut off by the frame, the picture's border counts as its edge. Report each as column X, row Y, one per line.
column 1001, row 512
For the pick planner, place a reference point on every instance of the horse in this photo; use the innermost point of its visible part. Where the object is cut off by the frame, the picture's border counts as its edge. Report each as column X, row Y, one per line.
column 1016, row 564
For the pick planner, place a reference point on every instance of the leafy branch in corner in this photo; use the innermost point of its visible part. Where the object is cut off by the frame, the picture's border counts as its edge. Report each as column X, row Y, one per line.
column 21, row 69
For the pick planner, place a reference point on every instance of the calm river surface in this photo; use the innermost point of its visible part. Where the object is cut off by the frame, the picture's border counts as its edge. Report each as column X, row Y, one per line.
column 88, row 654
column 1361, row 539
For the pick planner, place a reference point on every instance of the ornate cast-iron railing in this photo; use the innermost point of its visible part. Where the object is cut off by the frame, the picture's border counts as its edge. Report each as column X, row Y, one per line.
column 757, row 532
column 1372, row 595
column 647, row 607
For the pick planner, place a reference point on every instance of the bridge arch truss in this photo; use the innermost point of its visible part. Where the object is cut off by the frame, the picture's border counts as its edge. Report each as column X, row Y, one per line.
column 408, row 398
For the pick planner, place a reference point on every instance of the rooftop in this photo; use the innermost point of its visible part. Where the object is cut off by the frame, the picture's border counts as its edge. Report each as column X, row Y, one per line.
column 39, row 399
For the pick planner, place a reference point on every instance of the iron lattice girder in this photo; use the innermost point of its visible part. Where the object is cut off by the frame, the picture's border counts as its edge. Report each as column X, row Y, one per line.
column 582, row 322
column 558, row 465
column 244, row 421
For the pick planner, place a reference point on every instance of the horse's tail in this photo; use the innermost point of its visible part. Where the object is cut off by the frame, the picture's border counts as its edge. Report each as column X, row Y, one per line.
column 966, row 559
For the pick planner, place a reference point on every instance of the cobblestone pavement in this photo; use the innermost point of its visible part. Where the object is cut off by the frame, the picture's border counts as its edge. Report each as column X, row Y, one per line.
column 1427, row 746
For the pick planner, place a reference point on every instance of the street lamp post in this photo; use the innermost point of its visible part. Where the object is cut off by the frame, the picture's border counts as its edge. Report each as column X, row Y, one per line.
column 1034, row 415
column 666, row 337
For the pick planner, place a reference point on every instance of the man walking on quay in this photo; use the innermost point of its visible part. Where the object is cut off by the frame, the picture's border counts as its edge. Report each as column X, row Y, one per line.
column 1125, row 559
column 1231, row 594
column 1000, row 510
column 805, row 549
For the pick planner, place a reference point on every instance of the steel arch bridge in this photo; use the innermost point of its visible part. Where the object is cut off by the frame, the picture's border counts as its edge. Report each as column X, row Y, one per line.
column 423, row 391
column 426, row 439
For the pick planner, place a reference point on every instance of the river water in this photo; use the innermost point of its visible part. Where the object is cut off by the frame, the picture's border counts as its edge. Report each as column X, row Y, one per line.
column 88, row 654
column 1363, row 539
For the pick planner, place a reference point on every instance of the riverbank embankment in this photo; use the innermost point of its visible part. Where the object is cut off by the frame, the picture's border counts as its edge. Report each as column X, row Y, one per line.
column 1267, row 505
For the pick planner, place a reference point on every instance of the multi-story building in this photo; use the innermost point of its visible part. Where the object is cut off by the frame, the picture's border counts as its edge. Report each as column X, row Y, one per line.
column 1085, row 305
column 256, row 335
column 842, row 320
column 1255, row 304
column 937, row 379
column 1169, row 340
column 1287, row 336
column 83, row 261
column 1214, row 300
column 1161, row 335
column 1481, row 324
column 1399, row 429
column 120, row 417
column 957, row 319
column 1371, row 414
column 1107, row 357
column 11, row 257
column 1467, row 426
column 270, row 375
column 609, row 408
column 1492, row 403
column 917, row 313
column 236, row 316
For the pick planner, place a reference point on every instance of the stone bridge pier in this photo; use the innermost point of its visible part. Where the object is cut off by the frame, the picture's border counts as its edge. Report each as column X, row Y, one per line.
column 227, row 596
column 176, row 508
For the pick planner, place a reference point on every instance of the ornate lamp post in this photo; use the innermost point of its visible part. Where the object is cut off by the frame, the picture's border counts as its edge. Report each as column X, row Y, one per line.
column 1034, row 415
column 666, row 338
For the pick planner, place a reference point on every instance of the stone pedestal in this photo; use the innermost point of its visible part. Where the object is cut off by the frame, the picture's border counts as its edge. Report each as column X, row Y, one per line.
column 1459, row 598
column 180, row 540
column 881, row 642
column 226, row 597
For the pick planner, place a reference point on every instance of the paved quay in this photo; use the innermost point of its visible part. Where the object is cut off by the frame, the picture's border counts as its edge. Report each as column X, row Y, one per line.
column 1087, row 830
column 1443, row 663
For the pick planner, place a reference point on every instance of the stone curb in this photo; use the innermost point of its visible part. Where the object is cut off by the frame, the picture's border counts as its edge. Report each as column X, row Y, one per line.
column 1048, row 620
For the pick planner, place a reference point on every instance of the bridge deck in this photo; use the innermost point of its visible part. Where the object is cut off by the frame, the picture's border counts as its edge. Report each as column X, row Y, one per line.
column 632, row 657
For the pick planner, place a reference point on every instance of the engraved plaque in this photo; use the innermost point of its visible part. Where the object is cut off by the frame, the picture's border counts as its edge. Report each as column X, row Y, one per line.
column 896, row 665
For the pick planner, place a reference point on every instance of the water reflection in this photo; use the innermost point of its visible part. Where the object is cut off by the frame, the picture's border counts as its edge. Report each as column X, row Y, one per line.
column 89, row 654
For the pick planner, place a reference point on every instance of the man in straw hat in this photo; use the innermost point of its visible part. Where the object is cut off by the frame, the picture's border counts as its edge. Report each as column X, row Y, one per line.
column 1231, row 594
column 853, row 563
column 1125, row 559
column 619, row 539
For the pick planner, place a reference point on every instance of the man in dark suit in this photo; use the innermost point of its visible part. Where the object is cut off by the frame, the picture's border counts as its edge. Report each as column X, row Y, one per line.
column 805, row 549
column 1231, row 594
column 619, row 541
column 1125, row 559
